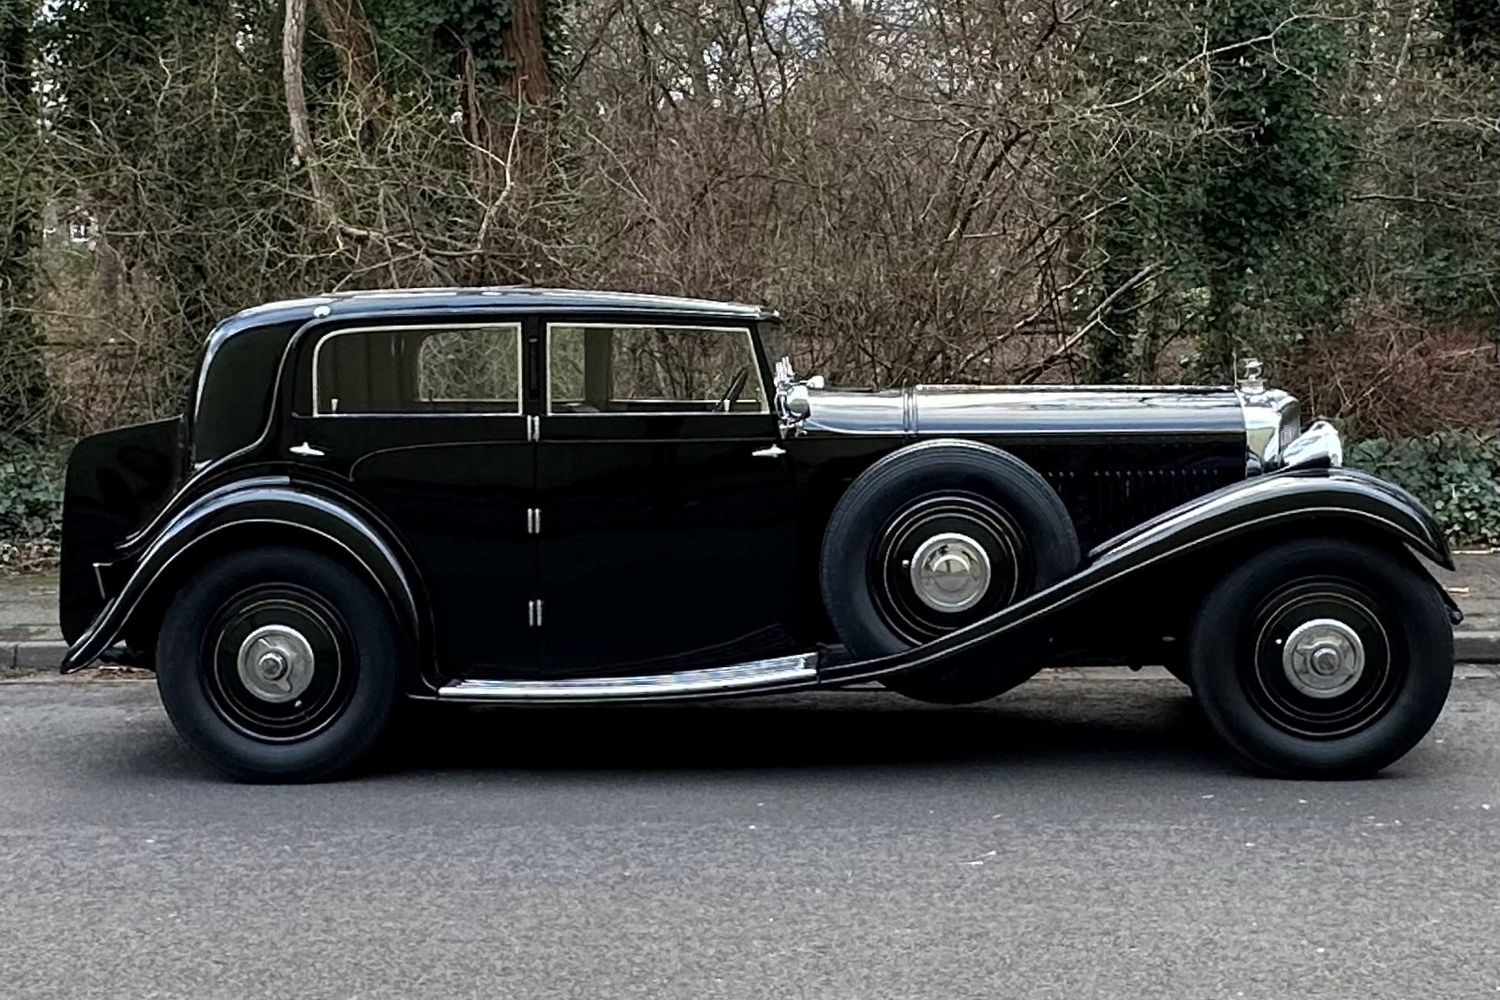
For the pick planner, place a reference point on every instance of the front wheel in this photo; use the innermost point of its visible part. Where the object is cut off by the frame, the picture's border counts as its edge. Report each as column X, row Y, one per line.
column 1322, row 658
column 278, row 664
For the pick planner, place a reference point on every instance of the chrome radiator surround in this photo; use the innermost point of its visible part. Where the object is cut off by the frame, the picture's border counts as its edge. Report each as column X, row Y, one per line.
column 1273, row 420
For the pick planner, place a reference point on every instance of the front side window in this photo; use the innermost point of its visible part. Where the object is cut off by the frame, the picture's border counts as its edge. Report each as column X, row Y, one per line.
column 610, row 368
column 443, row 369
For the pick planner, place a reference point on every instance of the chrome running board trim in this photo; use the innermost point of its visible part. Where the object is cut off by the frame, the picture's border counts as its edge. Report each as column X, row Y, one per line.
column 799, row 670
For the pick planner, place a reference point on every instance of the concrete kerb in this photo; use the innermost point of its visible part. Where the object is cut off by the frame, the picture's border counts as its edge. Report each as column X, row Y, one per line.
column 18, row 659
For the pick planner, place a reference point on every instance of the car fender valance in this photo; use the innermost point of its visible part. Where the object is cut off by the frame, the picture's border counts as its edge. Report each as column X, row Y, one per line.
column 267, row 501
column 1333, row 498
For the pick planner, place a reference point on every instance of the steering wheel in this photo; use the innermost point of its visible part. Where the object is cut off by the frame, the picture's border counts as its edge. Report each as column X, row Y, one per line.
column 736, row 383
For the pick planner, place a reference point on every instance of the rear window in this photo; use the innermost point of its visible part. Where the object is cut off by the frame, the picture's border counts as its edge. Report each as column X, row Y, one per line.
column 471, row 368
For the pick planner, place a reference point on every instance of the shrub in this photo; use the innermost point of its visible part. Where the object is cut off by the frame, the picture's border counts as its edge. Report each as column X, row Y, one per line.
column 31, row 488
column 1456, row 473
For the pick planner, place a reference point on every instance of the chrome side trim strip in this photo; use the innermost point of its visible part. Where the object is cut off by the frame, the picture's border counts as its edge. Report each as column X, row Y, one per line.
column 714, row 680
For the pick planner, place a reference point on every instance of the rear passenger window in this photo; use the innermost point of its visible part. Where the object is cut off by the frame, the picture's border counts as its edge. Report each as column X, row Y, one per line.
column 457, row 369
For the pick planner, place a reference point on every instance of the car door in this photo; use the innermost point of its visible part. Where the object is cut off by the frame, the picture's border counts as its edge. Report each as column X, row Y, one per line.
column 426, row 423
column 666, row 536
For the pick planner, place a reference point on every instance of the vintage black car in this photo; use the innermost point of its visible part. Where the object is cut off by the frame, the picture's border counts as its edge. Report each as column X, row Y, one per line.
column 527, row 496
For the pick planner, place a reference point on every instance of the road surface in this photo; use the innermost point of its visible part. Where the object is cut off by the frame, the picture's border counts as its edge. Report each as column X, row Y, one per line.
column 1076, row 839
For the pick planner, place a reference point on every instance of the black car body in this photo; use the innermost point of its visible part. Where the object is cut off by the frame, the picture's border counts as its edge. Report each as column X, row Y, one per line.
column 561, row 496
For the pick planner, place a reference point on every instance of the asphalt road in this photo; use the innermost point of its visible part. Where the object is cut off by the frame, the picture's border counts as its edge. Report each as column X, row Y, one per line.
column 1075, row 839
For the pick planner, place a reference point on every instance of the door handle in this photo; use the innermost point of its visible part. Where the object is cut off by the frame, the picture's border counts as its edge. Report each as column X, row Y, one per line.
column 307, row 451
column 774, row 451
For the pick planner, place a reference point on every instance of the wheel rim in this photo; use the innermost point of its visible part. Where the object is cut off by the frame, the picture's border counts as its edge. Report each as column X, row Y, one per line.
column 278, row 663
column 943, row 563
column 1323, row 665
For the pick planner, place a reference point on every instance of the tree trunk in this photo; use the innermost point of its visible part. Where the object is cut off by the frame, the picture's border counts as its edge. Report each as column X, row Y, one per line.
column 296, row 99
column 353, row 42
column 525, row 49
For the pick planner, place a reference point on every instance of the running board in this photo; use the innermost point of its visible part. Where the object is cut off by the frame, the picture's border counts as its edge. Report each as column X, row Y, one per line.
column 758, row 675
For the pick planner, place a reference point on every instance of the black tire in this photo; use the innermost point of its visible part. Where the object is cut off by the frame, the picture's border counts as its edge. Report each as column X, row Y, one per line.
column 1255, row 693
column 340, row 705
column 1176, row 665
column 985, row 493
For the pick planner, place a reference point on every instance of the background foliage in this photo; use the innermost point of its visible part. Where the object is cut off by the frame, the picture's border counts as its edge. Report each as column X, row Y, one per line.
column 1456, row 474
column 1042, row 190
column 30, row 506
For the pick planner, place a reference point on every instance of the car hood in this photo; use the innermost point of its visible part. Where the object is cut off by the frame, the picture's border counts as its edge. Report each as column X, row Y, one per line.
column 1027, row 411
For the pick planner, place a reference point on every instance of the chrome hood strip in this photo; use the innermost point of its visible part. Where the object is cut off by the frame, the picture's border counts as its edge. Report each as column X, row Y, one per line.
column 1034, row 411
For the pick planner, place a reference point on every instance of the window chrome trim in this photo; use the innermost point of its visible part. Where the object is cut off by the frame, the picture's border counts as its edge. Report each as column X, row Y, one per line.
column 514, row 325
column 765, row 403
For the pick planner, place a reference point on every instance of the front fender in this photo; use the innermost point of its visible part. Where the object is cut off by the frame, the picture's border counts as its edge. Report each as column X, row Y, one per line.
column 270, row 502
column 1328, row 502
column 1297, row 496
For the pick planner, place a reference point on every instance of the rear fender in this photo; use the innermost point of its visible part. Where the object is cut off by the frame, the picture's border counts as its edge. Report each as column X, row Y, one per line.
column 275, row 506
column 1261, row 511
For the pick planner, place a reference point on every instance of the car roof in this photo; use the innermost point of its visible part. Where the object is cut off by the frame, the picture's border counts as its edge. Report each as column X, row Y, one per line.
column 407, row 301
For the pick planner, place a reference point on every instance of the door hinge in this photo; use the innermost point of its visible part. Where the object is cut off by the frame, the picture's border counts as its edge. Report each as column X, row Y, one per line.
column 533, row 428
column 534, row 613
column 533, row 520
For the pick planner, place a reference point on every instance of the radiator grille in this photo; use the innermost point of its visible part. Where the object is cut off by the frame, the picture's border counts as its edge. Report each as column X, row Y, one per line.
column 1105, row 502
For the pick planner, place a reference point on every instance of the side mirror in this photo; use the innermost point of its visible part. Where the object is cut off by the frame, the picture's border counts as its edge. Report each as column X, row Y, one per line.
column 814, row 382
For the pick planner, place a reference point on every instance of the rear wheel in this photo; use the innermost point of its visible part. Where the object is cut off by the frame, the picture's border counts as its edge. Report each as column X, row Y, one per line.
column 933, row 538
column 1322, row 658
column 278, row 664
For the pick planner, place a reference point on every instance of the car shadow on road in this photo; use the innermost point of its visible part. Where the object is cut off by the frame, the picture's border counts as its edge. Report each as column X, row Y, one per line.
column 1149, row 723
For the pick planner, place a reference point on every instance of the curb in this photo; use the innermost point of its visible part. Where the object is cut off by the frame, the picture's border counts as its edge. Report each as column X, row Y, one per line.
column 1476, row 647
column 33, row 657
column 19, row 659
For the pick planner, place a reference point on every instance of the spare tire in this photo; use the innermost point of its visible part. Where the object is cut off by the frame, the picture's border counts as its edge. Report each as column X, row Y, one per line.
column 934, row 537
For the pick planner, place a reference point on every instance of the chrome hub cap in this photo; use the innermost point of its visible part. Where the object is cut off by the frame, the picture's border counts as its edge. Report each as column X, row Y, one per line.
column 276, row 663
column 950, row 572
column 1323, row 658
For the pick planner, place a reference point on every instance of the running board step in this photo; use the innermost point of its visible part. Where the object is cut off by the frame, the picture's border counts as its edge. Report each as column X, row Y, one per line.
column 789, row 671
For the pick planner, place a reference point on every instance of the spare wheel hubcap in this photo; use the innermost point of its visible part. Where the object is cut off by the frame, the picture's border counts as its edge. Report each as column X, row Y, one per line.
column 950, row 572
